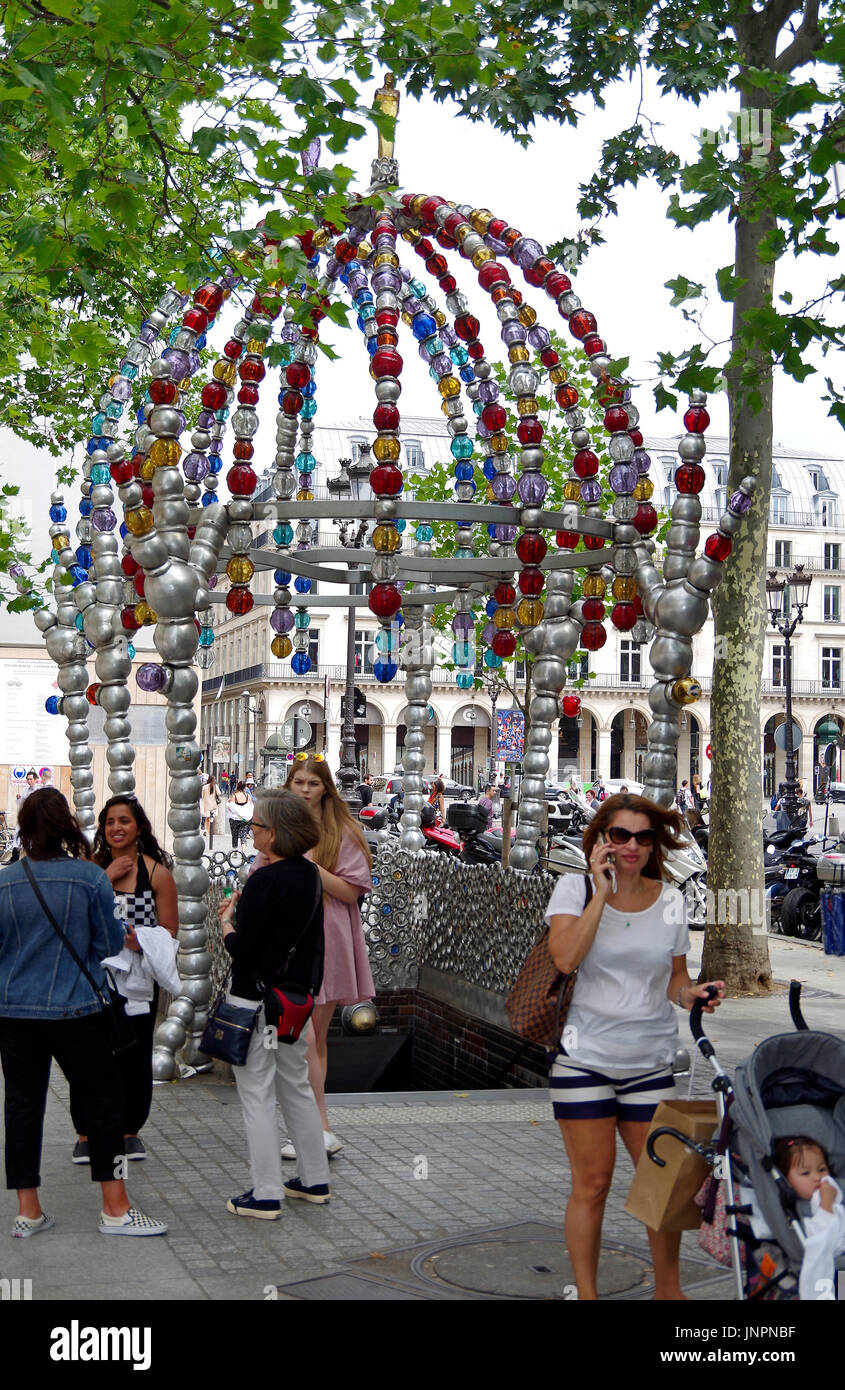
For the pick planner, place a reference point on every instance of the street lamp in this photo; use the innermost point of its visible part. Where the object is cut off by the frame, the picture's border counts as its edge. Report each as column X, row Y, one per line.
column 252, row 710
column 492, row 686
column 781, row 595
column 351, row 483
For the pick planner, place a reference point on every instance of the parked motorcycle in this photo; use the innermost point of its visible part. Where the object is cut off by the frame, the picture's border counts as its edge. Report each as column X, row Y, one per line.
column 381, row 822
column 480, row 845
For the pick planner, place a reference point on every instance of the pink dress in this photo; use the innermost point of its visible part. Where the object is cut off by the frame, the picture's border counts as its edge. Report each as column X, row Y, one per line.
column 347, row 978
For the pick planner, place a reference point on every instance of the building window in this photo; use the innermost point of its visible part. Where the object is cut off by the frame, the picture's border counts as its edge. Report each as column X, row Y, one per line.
column 776, row 482
column 629, row 661
column 779, row 508
column 831, row 668
column 355, row 447
column 783, row 555
column 364, row 639
column 314, row 648
column 819, row 480
column 827, row 513
column 778, row 665
column 831, row 556
column 831, row 603
column 414, row 453
column 579, row 670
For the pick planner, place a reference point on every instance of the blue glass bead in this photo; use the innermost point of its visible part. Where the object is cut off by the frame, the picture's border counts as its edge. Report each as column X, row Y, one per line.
column 79, row 622
column 301, row 620
column 84, row 558
column 394, row 950
column 51, row 704
column 77, row 574
column 215, row 463
column 100, row 473
column 491, row 605
column 306, row 463
column 422, row 326
column 384, row 671
column 491, row 659
column 462, row 447
column 424, row 533
column 123, row 531
column 464, row 472
column 114, row 410
column 359, row 322
column 314, row 261
column 467, row 374
column 58, row 514
column 281, row 577
column 128, row 369
column 300, row 663
column 465, row 680
column 491, row 531
column 140, row 417
column 207, row 637
column 130, row 651
column 418, row 288
column 489, row 469
column 302, row 586
column 400, row 525
column 208, row 498
column 372, row 346
column 283, row 533
column 201, row 341
column 363, row 297
column 97, row 422
column 459, row 356
column 387, row 640
column 309, row 410
column 223, row 414
column 92, row 445
column 386, row 909
column 352, row 266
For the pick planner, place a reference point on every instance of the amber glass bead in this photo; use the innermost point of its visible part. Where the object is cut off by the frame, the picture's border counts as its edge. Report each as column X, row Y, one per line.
column 240, row 569
column 527, row 405
column 147, row 470
column 624, row 588
column 449, row 386
column 558, row 375
column 225, row 371
column 304, row 495
column 504, row 618
column 281, row 646
column 643, row 490
column 387, row 448
column 518, row 353
column 571, row 491
column 527, row 316
column 144, row 615
column 440, row 318
column 385, row 258
column 594, row 586
column 256, row 347
column 165, row 452
column 479, row 257
column 480, row 219
column 386, row 539
column 529, row 611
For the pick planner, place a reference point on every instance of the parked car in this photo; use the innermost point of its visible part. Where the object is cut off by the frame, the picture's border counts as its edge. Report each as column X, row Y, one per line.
column 455, row 791
column 385, row 788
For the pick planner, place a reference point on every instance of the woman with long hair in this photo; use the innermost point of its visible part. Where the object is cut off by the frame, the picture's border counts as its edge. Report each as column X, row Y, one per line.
column 625, row 932
column 239, row 806
column 49, row 1009
column 138, row 870
column 209, row 800
column 345, row 867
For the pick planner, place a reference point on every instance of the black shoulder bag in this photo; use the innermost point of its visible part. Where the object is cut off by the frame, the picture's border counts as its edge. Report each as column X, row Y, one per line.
column 121, row 1034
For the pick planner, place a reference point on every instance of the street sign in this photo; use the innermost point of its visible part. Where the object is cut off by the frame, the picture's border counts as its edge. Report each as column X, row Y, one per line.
column 780, row 736
column 296, row 734
column 359, row 705
column 707, row 751
column 471, row 716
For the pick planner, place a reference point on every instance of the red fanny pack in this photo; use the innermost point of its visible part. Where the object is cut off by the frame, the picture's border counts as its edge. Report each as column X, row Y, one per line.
column 288, row 1011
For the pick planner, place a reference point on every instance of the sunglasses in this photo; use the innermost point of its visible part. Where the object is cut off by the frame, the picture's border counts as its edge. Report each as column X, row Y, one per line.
column 618, row 836
column 258, row 824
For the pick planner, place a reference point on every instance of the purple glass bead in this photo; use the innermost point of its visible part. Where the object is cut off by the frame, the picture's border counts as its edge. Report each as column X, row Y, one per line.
column 411, row 305
column 489, row 633
column 526, row 252
column 356, row 282
column 488, row 391
column 289, row 334
column 463, row 622
column 504, row 487
column 333, row 268
column 481, row 430
column 496, row 246
column 590, row 490
column 405, row 273
column 506, row 534
column 303, row 545
column 539, row 338
column 641, row 461
column 122, row 389
column 442, row 364
column 178, row 362
column 195, row 467
column 205, row 419
column 739, row 503
column 103, row 519
column 386, row 279
column 512, row 333
column 147, row 334
column 424, row 352
column 151, row 676
column 212, row 581
column 622, row 478
column 194, row 362
column 532, row 488
column 281, row 620
column 448, row 335
column 17, row 571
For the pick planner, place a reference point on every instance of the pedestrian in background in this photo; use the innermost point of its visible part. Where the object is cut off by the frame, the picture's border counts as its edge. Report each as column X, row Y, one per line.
column 210, row 800
column 486, row 804
column 240, row 807
column 365, row 789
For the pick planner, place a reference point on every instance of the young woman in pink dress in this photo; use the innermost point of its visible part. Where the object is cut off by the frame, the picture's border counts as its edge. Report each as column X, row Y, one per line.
column 345, row 868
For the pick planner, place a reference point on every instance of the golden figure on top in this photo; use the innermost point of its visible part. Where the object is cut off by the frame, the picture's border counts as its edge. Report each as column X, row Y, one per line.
column 387, row 100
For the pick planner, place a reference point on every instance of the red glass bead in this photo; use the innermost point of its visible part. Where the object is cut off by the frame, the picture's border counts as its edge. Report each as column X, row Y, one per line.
column 430, row 206
column 437, row 265
column 197, row 319
column 645, row 518
column 566, row 397
column 386, row 416
column 496, row 227
column 129, row 566
column 585, row 463
column 504, row 643
column 448, row 284
column 214, row 395
column 475, row 351
column 241, row 480
column 239, row 601
column 516, row 296
column 122, row 472
column 557, row 284
column 386, row 362
column 91, row 692
column 386, row 318
column 128, row 619
column 446, row 241
column 492, row 273
column 306, row 241
column 592, row 610
column 345, row 251
column 689, row 477
column 494, row 416
column 535, row 274
column 717, row 547
column 637, row 437
column 615, row 419
column 384, row 600
column 292, row 402
column 593, row 636
column 549, row 357
column 386, row 480
column 609, row 392
column 147, row 494
column 594, row 542
column 623, row 616
column 191, row 532
column 529, row 430
column 243, row 449
column 581, row 323
column 531, row 582
column 504, row 594
column 567, row 540
column 209, row 297
column 696, row 419
column 163, row 392
column 250, row 370
column 638, row 604
column 248, row 395
column 531, row 548
column 137, row 460
column 233, row 349
column 453, row 222
column 571, row 706
column 269, row 304
column 424, row 248
column 139, row 580
column 593, row 344
column 297, row 375
column 467, row 327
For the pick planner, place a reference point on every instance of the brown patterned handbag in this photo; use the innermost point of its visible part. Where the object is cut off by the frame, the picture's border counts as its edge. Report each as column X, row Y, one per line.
column 539, row 1001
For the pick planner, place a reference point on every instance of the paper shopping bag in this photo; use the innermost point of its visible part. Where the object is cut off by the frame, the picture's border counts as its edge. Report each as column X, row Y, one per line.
column 662, row 1198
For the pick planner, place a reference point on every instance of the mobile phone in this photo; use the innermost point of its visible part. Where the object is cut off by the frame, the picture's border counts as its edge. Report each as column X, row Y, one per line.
column 611, row 860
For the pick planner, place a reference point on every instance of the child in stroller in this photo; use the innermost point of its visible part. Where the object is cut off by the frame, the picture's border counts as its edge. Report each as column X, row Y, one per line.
column 805, row 1166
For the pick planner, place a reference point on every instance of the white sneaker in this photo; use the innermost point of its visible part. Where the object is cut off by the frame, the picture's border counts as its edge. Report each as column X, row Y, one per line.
column 26, row 1226
column 132, row 1223
column 331, row 1141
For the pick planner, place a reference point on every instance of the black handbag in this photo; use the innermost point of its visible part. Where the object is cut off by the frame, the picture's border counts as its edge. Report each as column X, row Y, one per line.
column 121, row 1033
column 228, row 1031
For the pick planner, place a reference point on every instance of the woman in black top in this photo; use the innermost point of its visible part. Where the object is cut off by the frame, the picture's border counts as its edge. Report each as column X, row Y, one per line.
column 280, row 907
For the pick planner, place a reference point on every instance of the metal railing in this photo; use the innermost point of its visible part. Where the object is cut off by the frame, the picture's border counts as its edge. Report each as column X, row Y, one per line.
column 772, row 687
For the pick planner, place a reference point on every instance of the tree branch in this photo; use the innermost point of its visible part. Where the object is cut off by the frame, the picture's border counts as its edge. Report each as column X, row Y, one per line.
column 807, row 41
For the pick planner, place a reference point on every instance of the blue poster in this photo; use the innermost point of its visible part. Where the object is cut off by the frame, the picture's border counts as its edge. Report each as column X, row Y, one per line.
column 510, row 734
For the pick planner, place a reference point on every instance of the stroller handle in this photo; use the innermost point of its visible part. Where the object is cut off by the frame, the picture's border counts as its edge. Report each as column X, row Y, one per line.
column 795, row 1006
column 695, row 1019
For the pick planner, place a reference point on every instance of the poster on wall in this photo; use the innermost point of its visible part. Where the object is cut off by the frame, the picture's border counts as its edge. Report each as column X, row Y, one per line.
column 510, row 734
column 28, row 734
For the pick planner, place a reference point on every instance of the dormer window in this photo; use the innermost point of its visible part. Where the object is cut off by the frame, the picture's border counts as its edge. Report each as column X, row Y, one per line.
column 819, row 480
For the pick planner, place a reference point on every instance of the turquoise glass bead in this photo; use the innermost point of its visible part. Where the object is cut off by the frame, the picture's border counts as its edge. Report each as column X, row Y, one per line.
column 130, row 651
column 424, row 533
column 129, row 370
column 100, row 473
column 400, row 525
column 206, row 637
column 115, row 410
column 309, row 410
column 435, row 344
column 462, row 447
column 283, row 533
column 465, row 680
column 418, row 289
column 491, row 659
column 459, row 356
column 306, row 463
column 79, row 622
column 301, row 620
column 97, row 422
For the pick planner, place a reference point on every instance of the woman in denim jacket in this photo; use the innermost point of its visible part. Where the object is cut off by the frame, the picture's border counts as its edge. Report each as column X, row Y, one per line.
column 48, row 1009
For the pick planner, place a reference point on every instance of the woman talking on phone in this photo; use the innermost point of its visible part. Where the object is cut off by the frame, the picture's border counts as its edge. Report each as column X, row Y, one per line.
column 625, row 933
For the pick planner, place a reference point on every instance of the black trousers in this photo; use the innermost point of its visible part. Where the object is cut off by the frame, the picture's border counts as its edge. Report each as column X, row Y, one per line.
column 82, row 1049
column 135, row 1067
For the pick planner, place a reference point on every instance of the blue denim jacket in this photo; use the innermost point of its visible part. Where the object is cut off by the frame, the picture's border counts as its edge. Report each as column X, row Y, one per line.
column 38, row 976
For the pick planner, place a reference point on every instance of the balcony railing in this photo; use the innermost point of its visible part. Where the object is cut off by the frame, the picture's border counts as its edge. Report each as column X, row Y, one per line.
column 278, row 671
column 773, row 687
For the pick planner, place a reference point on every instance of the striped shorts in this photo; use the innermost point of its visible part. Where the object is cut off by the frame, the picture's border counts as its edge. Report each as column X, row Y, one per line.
column 581, row 1093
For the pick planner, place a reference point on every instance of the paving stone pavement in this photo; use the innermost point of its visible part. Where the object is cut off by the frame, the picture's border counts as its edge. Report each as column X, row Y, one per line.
column 419, row 1172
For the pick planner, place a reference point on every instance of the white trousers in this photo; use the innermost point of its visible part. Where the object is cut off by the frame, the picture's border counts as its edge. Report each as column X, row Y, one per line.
column 271, row 1074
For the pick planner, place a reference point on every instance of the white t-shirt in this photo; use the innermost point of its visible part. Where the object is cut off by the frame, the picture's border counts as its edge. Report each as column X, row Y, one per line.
column 619, row 1015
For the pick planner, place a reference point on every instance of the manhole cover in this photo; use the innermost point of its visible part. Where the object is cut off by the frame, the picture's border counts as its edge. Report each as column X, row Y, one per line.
column 528, row 1269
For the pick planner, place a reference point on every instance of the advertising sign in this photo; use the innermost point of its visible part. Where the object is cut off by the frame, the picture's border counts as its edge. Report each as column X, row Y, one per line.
column 510, row 734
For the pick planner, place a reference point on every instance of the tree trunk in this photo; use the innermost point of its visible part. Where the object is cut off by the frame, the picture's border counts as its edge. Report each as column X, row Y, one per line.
column 736, row 948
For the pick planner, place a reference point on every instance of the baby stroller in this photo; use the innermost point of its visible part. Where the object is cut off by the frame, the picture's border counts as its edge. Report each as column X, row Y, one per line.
column 794, row 1083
